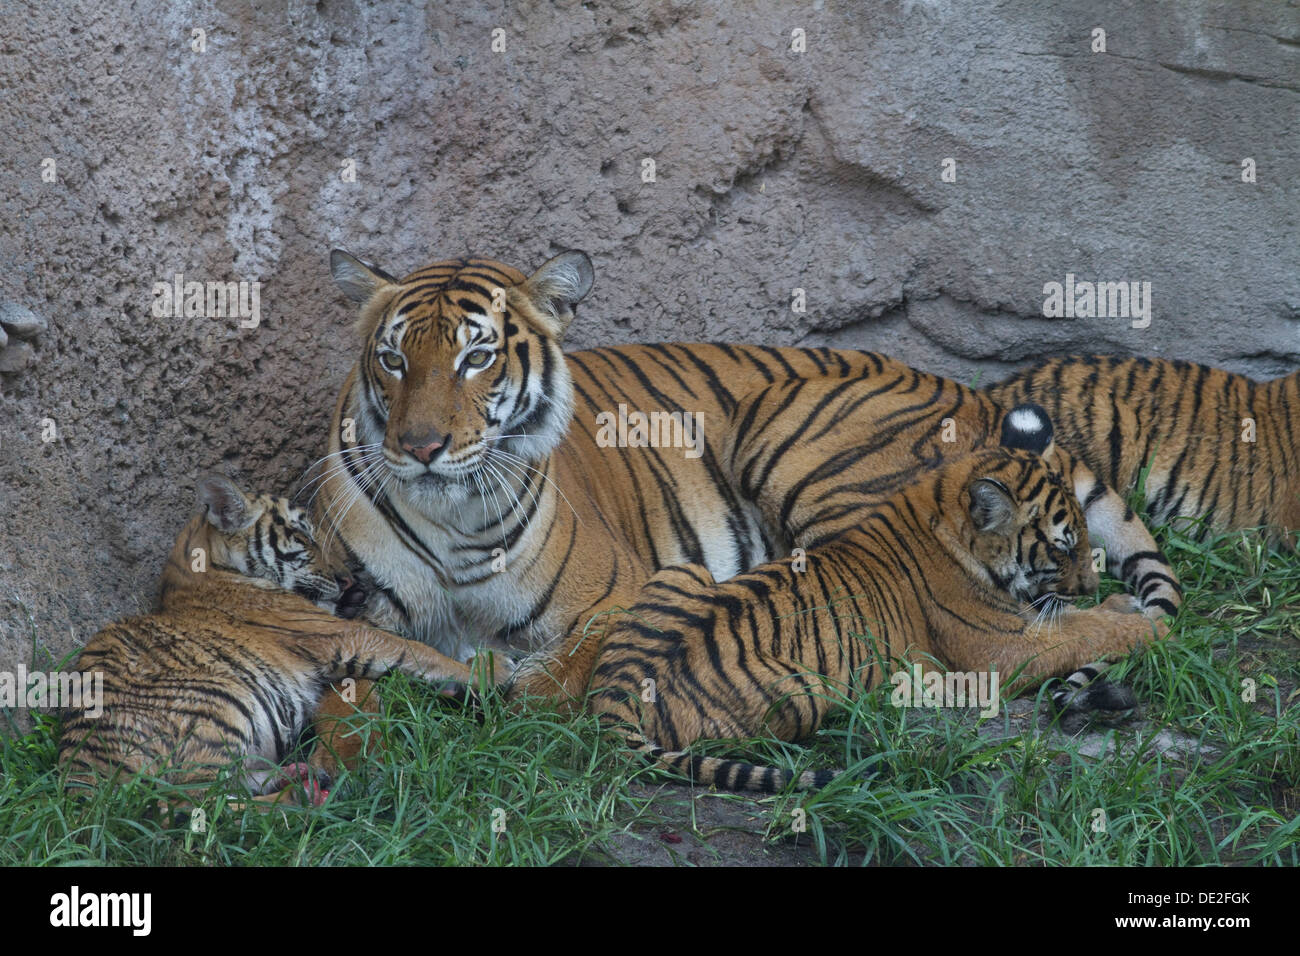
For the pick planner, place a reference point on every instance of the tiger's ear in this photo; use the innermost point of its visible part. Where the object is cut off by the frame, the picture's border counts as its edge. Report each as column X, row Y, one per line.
column 1027, row 427
column 357, row 280
column 224, row 506
column 991, row 506
column 559, row 285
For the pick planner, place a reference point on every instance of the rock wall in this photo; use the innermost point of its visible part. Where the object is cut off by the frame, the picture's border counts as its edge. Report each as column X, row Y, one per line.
column 136, row 149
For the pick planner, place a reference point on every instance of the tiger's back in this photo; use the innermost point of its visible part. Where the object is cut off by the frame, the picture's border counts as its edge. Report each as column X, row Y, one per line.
column 1220, row 445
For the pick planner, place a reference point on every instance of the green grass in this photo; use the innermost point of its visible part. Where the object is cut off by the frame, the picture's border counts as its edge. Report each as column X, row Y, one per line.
column 922, row 786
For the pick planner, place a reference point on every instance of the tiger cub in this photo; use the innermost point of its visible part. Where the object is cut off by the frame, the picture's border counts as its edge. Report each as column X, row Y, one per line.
column 237, row 659
column 1219, row 445
column 949, row 568
column 810, row 453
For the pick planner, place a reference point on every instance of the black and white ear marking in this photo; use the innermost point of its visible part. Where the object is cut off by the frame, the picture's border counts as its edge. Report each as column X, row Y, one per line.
column 223, row 504
column 1027, row 427
column 559, row 285
column 357, row 280
column 991, row 506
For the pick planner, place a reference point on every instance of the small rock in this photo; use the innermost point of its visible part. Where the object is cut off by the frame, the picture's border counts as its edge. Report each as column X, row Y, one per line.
column 21, row 321
column 16, row 357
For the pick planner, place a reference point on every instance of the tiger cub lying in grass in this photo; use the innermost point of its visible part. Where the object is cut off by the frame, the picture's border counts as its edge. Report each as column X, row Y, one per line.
column 237, row 659
column 812, row 453
column 949, row 568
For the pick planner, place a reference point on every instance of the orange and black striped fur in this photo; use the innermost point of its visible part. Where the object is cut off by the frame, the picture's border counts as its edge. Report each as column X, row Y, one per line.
column 947, row 569
column 812, row 453
column 1220, row 445
column 471, row 477
column 235, row 662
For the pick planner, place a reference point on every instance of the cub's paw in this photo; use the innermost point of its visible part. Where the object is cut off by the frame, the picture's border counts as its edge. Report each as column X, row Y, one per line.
column 1160, row 628
column 1128, row 632
column 1122, row 603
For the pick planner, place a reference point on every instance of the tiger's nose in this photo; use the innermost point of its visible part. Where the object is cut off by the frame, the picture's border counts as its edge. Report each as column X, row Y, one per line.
column 423, row 445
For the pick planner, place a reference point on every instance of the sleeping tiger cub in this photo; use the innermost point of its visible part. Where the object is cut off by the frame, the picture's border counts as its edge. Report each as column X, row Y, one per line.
column 1220, row 445
column 236, row 661
column 810, row 453
column 948, row 568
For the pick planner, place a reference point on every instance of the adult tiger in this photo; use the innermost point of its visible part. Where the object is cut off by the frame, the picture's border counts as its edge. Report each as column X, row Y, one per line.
column 470, row 473
column 1219, row 445
column 948, row 569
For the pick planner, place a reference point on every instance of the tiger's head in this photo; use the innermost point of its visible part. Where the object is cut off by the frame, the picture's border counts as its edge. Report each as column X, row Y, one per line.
column 265, row 539
column 1027, row 531
column 459, row 360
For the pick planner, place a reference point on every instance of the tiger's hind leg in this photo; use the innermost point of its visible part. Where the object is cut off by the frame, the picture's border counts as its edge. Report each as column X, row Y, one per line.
column 670, row 675
column 784, row 701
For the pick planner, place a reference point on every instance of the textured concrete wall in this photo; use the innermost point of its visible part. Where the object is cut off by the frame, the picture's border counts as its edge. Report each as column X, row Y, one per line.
column 775, row 170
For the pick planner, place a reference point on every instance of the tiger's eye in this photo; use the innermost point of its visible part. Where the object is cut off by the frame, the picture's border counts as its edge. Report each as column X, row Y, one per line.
column 478, row 358
column 391, row 361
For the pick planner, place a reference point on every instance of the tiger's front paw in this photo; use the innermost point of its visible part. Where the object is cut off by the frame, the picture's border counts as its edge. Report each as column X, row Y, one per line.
column 1148, row 630
column 1122, row 603
column 1126, row 632
column 490, row 669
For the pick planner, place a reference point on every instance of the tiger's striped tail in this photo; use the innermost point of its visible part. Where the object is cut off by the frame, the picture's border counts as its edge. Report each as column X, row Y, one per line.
column 1087, row 692
column 729, row 774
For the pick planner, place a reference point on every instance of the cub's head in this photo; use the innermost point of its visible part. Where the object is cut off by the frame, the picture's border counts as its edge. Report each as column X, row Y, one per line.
column 1026, row 529
column 461, row 360
column 265, row 539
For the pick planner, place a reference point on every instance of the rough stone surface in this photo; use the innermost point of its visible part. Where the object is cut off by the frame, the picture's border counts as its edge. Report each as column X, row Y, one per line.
column 21, row 321
column 16, row 357
column 129, row 156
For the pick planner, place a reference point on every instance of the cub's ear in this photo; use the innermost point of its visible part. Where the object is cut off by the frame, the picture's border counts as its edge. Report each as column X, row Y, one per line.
column 1027, row 427
column 357, row 280
column 559, row 285
column 223, row 504
column 991, row 506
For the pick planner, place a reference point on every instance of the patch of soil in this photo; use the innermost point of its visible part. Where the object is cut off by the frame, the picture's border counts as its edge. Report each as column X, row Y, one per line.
column 686, row 826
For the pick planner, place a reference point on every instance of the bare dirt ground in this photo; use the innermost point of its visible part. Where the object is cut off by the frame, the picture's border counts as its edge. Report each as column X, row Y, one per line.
column 698, row 828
